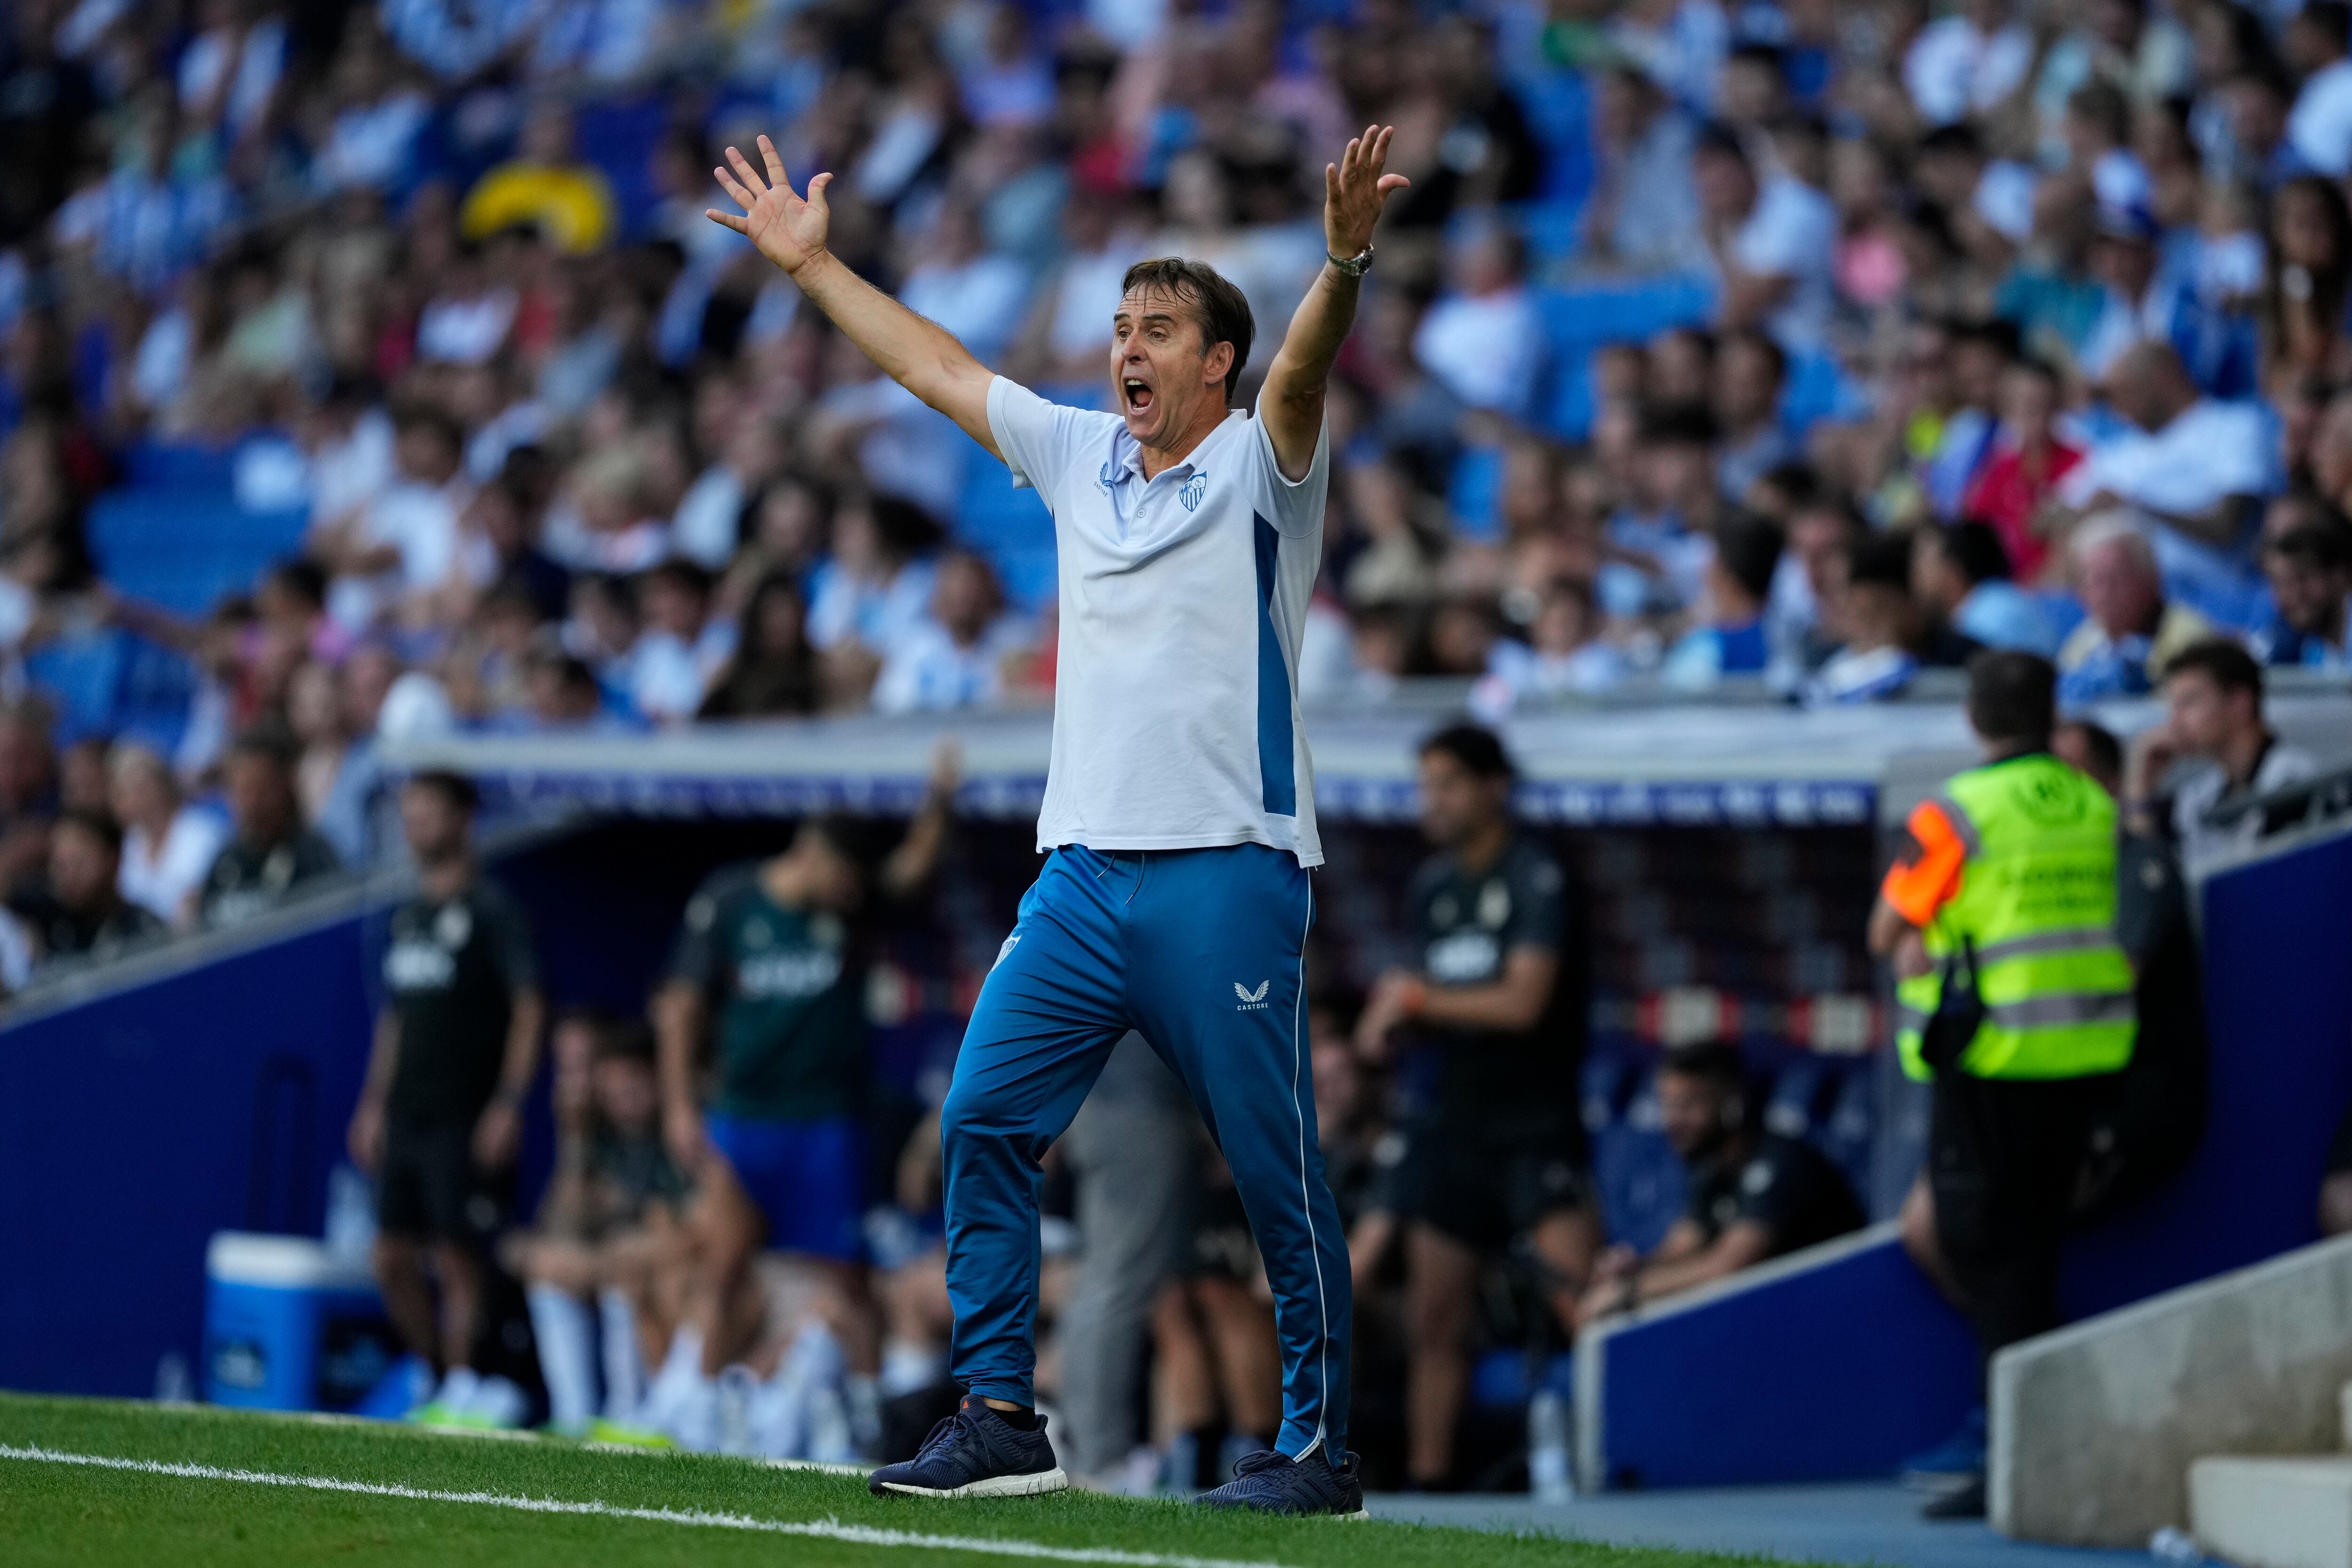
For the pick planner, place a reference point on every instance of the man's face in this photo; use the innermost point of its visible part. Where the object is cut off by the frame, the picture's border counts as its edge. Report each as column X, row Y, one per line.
column 2310, row 596
column 1456, row 804
column 1161, row 371
column 1746, row 390
column 261, row 797
column 1935, row 581
column 2124, row 265
column 2119, row 590
column 2204, row 716
column 1690, row 1112
column 833, row 880
column 81, row 868
column 433, row 823
column 1726, row 188
column 625, row 1093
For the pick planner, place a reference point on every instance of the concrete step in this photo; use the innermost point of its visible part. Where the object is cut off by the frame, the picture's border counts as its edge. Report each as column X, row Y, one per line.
column 2271, row 1513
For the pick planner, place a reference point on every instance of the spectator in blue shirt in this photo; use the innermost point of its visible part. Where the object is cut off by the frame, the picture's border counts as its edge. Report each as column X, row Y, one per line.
column 2307, row 558
column 1959, row 574
column 1738, row 581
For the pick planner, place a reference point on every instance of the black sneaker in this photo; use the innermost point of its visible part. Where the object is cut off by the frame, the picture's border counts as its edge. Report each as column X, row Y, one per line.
column 975, row 1452
column 1266, row 1482
column 1966, row 1500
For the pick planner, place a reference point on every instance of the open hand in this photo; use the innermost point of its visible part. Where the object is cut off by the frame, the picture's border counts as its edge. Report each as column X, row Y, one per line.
column 1354, row 190
column 786, row 229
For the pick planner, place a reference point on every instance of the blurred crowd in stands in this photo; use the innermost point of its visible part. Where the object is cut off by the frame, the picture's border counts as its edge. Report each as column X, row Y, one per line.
column 1772, row 340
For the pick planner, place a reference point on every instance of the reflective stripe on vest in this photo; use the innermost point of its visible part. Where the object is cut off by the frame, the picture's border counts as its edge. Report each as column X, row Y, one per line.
column 2036, row 900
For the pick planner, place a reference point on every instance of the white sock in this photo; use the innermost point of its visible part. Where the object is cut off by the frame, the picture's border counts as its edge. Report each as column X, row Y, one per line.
column 680, row 1370
column 694, row 1416
column 559, row 1320
column 457, row 1390
column 500, row 1400
column 624, row 1373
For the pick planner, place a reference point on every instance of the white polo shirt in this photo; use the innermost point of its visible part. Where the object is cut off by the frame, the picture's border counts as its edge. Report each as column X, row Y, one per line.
column 1182, row 601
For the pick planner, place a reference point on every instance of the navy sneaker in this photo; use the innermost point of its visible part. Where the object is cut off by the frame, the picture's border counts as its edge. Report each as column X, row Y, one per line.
column 1266, row 1482
column 1954, row 1460
column 975, row 1452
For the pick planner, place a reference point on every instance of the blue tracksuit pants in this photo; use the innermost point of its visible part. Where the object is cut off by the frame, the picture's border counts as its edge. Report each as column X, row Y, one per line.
column 1200, row 951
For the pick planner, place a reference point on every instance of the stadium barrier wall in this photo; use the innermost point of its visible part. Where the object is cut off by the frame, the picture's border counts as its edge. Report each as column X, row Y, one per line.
column 207, row 1087
column 1842, row 1362
column 135, row 1123
column 2094, row 1427
column 1831, row 1363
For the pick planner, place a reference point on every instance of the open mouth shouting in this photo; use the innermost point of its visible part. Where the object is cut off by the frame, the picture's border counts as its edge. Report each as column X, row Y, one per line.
column 1136, row 394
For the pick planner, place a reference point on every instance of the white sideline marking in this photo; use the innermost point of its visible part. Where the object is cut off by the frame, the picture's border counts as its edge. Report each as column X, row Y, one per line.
column 827, row 1528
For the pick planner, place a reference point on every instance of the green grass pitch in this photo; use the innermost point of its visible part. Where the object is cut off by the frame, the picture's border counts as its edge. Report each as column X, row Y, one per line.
column 226, row 1487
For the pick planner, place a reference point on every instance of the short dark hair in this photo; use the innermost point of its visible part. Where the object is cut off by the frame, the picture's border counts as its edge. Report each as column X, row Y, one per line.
column 1749, row 547
column 1687, row 424
column 1475, row 747
column 679, row 571
column 454, row 787
column 624, row 1040
column 2314, row 544
column 2105, row 750
column 1882, row 559
column 301, row 576
column 1976, row 550
column 1220, row 309
column 2012, row 696
column 2332, row 19
column 1717, row 1062
column 272, row 740
column 2224, row 662
column 1798, row 480
column 1724, row 139
column 97, row 824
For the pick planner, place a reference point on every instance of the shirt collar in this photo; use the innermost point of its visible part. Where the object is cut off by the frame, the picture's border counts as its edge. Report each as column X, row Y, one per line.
column 1128, row 454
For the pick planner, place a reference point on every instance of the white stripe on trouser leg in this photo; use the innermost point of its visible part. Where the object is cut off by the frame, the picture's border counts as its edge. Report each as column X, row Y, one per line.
column 1306, row 1199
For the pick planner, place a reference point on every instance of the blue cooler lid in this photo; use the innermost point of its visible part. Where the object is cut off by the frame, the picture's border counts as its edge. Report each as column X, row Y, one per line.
column 283, row 1263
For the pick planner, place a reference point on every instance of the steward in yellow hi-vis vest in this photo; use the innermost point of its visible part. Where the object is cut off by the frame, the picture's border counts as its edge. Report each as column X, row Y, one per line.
column 2015, row 1001
column 2014, row 882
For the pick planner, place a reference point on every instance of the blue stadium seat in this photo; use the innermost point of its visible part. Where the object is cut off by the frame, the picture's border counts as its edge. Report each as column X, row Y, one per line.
column 1642, row 1187
column 1579, row 318
column 111, row 682
column 1799, row 1092
column 1499, row 1379
column 183, row 546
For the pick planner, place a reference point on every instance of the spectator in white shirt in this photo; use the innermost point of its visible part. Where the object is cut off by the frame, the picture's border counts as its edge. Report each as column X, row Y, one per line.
column 1969, row 63
column 955, row 281
column 750, row 450
column 682, row 647
column 2194, row 465
column 168, row 845
column 1068, row 332
column 1644, row 212
column 1480, row 338
column 2213, row 732
column 400, row 546
column 1774, row 239
column 467, row 322
column 954, row 657
column 2319, row 126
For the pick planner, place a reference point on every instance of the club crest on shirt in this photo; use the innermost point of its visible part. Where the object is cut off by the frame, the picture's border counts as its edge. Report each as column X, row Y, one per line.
column 1192, row 492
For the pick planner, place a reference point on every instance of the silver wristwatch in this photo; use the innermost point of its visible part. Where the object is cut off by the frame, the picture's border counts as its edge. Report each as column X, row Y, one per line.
column 1353, row 266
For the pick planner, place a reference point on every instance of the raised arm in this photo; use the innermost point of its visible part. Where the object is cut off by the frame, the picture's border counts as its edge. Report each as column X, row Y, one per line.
column 1291, row 404
column 919, row 355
